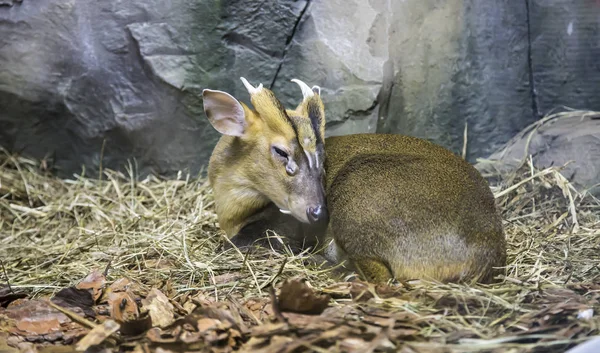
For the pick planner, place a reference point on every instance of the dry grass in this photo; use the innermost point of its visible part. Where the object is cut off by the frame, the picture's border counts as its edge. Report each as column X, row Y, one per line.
column 163, row 233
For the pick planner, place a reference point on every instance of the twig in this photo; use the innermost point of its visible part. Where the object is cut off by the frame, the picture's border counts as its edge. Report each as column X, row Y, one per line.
column 272, row 279
column 275, row 305
column 72, row 315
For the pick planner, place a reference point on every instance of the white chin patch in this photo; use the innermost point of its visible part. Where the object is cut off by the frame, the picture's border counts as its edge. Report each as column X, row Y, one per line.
column 285, row 211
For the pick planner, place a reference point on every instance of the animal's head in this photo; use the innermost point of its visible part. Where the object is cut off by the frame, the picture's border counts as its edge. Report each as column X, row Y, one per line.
column 278, row 152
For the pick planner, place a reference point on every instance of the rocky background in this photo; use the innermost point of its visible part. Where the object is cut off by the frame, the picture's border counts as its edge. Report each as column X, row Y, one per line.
column 107, row 83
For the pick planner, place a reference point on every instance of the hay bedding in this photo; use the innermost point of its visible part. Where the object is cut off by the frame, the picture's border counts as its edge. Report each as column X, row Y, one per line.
column 135, row 266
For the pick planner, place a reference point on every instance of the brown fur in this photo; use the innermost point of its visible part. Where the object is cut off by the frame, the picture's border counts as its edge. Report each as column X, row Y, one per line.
column 248, row 178
column 399, row 207
column 413, row 207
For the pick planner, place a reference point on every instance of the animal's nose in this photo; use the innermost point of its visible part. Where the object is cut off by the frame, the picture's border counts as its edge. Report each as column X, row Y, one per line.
column 317, row 214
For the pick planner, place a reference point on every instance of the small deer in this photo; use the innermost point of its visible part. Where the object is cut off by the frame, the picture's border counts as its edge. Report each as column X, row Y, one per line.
column 390, row 206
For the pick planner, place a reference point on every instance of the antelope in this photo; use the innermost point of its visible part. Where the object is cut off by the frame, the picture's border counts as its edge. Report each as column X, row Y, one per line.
column 388, row 205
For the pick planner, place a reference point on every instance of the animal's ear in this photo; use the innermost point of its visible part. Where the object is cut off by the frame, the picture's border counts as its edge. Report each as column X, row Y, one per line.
column 316, row 113
column 224, row 112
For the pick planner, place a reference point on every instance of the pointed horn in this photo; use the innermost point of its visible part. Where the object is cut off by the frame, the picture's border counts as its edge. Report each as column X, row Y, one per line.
column 251, row 89
column 306, row 91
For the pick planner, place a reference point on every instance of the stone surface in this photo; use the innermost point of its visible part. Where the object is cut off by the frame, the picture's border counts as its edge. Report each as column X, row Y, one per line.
column 571, row 139
column 565, row 48
column 454, row 63
column 335, row 51
column 102, row 83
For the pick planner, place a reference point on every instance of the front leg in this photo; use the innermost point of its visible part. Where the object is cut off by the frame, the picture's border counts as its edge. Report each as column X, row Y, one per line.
column 255, row 234
column 271, row 229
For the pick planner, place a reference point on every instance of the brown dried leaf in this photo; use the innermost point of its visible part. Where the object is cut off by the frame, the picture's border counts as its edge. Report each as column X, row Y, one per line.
column 259, row 308
column 268, row 330
column 95, row 282
column 297, row 296
column 120, row 285
column 122, row 307
column 190, row 337
column 37, row 321
column 158, row 336
column 160, row 263
column 7, row 296
column 227, row 277
column 224, row 316
column 311, row 322
column 353, row 344
column 136, row 327
column 36, row 317
column 97, row 335
column 275, row 344
column 205, row 324
column 159, row 308
column 77, row 300
column 125, row 285
column 362, row 291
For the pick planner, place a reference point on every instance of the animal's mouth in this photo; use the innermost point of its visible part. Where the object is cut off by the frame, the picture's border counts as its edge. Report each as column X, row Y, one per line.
column 290, row 208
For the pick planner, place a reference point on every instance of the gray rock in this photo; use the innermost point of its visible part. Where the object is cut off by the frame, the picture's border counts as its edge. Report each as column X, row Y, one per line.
column 564, row 54
column 455, row 63
column 568, row 138
column 102, row 83
column 334, row 50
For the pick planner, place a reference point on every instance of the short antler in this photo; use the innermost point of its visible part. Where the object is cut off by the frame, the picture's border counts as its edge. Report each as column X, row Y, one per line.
column 251, row 89
column 306, row 91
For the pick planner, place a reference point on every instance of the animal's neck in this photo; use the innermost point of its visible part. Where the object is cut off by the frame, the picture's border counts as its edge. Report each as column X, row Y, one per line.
column 235, row 204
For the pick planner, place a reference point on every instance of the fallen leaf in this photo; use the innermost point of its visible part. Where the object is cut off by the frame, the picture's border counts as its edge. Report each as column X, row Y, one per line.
column 120, row 285
column 122, row 307
column 95, row 282
column 159, row 308
column 213, row 312
column 205, row 324
column 297, row 296
column 275, row 344
column 74, row 298
column 161, row 263
column 354, row 344
column 36, row 317
column 136, row 327
column 227, row 277
column 97, row 335
column 268, row 330
column 158, row 336
column 361, row 291
column 7, row 296
column 259, row 309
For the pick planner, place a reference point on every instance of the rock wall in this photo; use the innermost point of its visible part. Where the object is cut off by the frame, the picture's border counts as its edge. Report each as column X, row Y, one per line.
column 567, row 140
column 100, row 83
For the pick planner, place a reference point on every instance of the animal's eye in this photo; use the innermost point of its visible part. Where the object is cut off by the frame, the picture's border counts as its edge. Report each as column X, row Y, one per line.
column 280, row 152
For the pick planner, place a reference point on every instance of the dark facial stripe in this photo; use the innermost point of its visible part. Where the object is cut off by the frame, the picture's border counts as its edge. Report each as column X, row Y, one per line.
column 314, row 114
column 291, row 122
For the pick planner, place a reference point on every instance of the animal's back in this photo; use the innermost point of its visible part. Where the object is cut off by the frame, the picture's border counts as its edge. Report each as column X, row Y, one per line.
column 404, row 205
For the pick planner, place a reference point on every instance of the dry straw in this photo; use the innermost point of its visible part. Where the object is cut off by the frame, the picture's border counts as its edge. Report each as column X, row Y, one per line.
column 164, row 233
